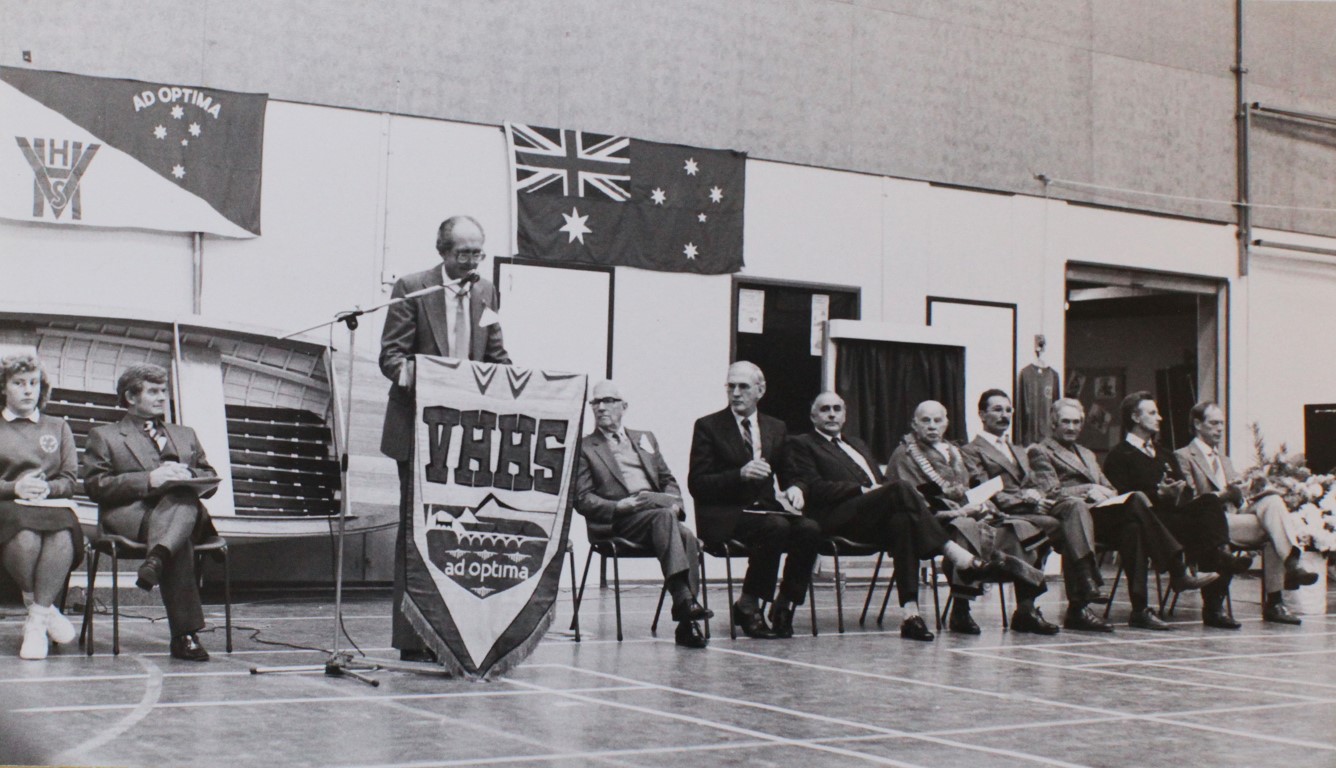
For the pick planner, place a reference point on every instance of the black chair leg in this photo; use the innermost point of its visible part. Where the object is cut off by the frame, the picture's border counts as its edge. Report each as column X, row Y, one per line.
column 86, row 631
column 811, row 604
column 936, row 599
column 602, row 572
column 227, row 595
column 1113, row 592
column 115, row 601
column 654, row 627
column 704, row 591
column 575, row 603
column 950, row 601
column 579, row 596
column 1002, row 599
column 839, row 596
column 886, row 598
column 871, row 589
column 728, row 570
column 617, row 589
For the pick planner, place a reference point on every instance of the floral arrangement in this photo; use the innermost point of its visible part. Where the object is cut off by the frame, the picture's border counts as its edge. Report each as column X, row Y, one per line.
column 1312, row 497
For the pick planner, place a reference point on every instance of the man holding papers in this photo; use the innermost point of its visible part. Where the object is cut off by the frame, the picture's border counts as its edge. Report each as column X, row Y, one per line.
column 927, row 461
column 147, row 478
column 1127, row 521
column 1066, row 521
column 848, row 496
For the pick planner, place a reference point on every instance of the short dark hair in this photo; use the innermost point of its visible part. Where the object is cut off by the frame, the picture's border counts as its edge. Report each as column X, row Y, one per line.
column 445, row 234
column 1198, row 412
column 1128, row 409
column 989, row 394
column 132, row 380
column 14, row 365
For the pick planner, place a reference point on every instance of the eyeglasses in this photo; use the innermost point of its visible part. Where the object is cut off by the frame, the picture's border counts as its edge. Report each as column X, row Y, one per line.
column 604, row 401
column 470, row 257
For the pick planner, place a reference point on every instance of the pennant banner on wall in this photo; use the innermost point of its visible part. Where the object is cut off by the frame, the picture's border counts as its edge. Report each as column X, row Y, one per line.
column 613, row 200
column 496, row 450
column 105, row 152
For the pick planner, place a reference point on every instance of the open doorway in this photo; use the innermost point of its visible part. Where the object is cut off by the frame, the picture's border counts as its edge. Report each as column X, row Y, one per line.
column 1131, row 330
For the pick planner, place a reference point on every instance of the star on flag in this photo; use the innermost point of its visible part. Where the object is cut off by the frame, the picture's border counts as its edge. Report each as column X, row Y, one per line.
column 716, row 195
column 702, row 218
column 159, row 132
column 690, row 251
column 178, row 112
column 179, row 171
column 658, row 196
column 691, row 167
column 194, row 129
column 575, row 226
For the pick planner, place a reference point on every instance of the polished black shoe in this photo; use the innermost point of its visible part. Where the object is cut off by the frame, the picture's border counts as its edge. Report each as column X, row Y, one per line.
column 1277, row 613
column 689, row 635
column 961, row 621
column 1088, row 590
column 1085, row 620
column 1216, row 617
column 914, row 628
column 1236, row 563
column 150, row 573
column 187, row 648
column 1146, row 619
column 752, row 623
column 418, row 654
column 1032, row 621
column 690, row 610
column 1183, row 581
column 1297, row 576
column 781, row 620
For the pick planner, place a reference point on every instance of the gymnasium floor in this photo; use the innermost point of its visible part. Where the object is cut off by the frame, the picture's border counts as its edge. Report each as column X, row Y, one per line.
column 1265, row 695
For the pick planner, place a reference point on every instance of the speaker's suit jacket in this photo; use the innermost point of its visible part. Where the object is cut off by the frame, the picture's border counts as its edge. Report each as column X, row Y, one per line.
column 599, row 485
column 717, row 455
column 418, row 327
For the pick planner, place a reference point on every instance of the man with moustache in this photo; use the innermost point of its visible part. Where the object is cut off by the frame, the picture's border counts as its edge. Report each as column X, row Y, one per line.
column 1198, row 521
column 458, row 320
column 623, row 488
column 1257, row 519
column 1065, row 521
column 734, row 455
column 1129, row 523
column 926, row 460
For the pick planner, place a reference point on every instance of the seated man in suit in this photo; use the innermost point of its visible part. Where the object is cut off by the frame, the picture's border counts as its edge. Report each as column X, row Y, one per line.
column 125, row 468
column 623, row 488
column 1129, row 524
column 1256, row 519
column 1196, row 520
column 1065, row 521
column 927, row 461
column 734, row 455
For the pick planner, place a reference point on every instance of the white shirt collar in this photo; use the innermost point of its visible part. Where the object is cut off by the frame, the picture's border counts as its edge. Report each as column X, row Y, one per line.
column 1138, row 443
column 11, row 416
column 998, row 442
column 1206, row 450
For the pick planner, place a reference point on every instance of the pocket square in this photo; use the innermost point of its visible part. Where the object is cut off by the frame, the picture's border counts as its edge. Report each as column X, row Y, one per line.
column 646, row 445
column 489, row 318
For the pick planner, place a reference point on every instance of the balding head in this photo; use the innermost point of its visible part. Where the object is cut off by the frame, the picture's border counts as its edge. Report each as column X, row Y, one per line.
column 828, row 414
column 608, row 405
column 746, row 386
column 930, row 421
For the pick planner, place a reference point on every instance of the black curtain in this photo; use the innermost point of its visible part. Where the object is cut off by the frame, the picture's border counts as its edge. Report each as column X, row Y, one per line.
column 883, row 381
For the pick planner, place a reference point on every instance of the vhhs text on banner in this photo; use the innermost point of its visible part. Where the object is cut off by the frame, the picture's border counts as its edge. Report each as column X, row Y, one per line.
column 495, row 457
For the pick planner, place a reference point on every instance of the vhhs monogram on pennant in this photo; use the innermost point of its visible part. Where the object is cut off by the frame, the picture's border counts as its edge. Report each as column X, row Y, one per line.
column 57, row 168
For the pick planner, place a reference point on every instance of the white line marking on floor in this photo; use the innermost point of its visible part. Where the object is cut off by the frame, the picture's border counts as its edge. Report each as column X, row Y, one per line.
column 138, row 711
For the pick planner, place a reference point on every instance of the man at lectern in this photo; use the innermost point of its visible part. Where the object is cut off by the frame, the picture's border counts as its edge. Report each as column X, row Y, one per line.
column 459, row 320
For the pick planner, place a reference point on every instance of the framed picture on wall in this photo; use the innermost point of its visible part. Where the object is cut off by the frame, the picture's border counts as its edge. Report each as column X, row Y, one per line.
column 1100, row 390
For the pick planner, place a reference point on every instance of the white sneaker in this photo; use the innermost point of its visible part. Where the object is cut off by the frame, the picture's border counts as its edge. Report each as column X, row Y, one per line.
column 59, row 628
column 35, row 644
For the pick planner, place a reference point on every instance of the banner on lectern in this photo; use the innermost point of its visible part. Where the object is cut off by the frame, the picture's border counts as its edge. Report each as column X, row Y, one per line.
column 494, row 469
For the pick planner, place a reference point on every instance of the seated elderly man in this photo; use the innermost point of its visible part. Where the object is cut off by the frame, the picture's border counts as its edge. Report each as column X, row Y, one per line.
column 1127, row 523
column 1196, row 520
column 1065, row 521
column 623, row 488
column 1259, row 518
column 927, row 461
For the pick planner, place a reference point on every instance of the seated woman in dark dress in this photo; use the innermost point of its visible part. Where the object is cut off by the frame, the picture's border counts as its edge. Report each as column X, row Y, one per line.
column 39, row 543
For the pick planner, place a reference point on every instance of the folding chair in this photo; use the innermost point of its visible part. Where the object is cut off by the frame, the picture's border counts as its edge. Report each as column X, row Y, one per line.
column 616, row 548
column 890, row 585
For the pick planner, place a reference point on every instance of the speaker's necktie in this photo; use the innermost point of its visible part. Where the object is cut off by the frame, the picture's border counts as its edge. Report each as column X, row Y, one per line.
column 461, row 340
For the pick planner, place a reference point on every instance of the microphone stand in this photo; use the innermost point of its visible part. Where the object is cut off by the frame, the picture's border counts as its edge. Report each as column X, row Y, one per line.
column 342, row 663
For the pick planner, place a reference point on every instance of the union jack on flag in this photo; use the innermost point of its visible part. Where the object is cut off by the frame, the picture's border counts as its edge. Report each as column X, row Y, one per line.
column 551, row 161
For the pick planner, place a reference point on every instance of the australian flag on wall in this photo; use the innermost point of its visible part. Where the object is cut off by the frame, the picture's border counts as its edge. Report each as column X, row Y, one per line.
column 96, row 151
column 613, row 200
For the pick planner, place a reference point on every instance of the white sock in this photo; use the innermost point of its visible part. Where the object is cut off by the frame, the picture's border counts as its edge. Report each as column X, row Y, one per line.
column 958, row 555
column 27, row 599
column 910, row 609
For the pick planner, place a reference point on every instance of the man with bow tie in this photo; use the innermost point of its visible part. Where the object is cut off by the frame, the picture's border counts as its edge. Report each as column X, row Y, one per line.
column 624, row 489
column 1066, row 521
column 1259, row 519
column 1127, row 523
column 126, row 468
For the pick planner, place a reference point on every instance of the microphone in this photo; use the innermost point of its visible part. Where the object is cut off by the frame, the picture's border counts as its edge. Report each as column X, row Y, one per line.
column 462, row 284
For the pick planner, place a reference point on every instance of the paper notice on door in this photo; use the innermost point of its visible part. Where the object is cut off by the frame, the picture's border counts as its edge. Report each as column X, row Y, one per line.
column 751, row 310
column 820, row 314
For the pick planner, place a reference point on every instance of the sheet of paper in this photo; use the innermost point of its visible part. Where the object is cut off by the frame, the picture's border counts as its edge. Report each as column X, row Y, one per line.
column 1115, row 501
column 751, row 310
column 820, row 314
column 59, row 503
column 984, row 491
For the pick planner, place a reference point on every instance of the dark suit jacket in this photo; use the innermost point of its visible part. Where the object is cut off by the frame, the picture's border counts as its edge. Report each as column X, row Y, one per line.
column 598, row 481
column 418, row 327
column 828, row 477
column 119, row 457
column 1130, row 469
column 1071, row 470
column 717, row 455
column 986, row 462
